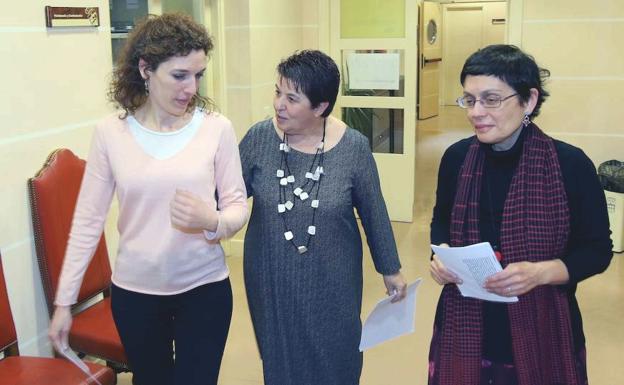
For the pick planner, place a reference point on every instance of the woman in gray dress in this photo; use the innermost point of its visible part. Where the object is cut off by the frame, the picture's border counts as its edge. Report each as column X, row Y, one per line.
column 306, row 172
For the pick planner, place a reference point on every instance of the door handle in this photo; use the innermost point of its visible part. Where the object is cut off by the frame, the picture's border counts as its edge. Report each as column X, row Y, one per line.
column 425, row 61
column 437, row 59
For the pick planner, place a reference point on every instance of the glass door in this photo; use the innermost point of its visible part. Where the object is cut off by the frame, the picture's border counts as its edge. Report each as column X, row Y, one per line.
column 374, row 42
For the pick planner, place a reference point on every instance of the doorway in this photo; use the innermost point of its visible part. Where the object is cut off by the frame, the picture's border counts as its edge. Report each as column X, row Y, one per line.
column 466, row 28
column 377, row 56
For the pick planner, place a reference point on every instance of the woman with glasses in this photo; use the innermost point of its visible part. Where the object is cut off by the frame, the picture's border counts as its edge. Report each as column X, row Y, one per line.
column 538, row 202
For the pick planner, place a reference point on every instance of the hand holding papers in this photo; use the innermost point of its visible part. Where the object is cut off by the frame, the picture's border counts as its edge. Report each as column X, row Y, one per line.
column 74, row 359
column 390, row 320
column 473, row 264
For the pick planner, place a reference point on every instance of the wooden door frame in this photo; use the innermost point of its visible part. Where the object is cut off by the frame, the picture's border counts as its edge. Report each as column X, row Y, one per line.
column 399, row 194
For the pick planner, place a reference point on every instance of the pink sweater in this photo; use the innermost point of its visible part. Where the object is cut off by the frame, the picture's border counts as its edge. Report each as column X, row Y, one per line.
column 153, row 257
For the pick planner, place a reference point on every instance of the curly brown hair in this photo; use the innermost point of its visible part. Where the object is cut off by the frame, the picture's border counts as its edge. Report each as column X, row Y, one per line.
column 155, row 39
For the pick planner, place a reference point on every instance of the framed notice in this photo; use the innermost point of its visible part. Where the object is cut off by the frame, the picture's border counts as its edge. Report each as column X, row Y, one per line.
column 375, row 71
column 72, row 17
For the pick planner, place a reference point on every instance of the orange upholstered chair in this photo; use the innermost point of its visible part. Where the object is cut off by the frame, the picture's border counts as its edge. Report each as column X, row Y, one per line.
column 53, row 194
column 16, row 370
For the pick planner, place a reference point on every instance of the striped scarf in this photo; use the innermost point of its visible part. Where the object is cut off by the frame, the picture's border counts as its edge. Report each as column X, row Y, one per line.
column 535, row 227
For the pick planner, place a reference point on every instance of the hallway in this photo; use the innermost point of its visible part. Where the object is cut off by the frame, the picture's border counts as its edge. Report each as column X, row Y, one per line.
column 404, row 361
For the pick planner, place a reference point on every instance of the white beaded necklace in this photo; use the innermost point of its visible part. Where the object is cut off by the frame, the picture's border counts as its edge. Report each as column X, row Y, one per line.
column 299, row 195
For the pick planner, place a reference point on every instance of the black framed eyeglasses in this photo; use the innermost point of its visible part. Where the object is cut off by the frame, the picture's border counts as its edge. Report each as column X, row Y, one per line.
column 489, row 101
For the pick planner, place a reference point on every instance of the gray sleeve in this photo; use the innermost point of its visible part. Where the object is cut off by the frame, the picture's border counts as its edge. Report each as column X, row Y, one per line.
column 371, row 207
column 246, row 148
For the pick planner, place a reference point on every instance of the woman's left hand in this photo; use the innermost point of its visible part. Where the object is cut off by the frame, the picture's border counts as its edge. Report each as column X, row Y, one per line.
column 521, row 277
column 395, row 286
column 189, row 211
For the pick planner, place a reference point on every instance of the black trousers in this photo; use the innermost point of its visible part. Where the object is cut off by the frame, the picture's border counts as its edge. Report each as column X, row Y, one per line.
column 174, row 339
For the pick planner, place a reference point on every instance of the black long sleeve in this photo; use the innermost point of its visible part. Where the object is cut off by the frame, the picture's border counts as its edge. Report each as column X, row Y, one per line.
column 589, row 247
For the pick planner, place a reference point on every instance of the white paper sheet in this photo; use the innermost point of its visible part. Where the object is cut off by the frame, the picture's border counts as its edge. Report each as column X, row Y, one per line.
column 374, row 71
column 390, row 320
column 74, row 359
column 473, row 264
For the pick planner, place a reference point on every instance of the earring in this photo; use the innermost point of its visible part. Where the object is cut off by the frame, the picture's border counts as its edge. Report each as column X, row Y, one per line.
column 527, row 120
column 146, row 87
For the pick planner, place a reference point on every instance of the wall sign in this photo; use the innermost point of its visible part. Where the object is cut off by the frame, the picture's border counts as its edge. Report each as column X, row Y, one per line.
column 72, row 16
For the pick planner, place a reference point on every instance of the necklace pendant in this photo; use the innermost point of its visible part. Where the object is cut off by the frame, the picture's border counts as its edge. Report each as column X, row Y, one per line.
column 288, row 235
column 281, row 208
column 315, row 203
column 280, row 173
column 302, row 249
column 289, row 205
column 303, row 196
column 297, row 191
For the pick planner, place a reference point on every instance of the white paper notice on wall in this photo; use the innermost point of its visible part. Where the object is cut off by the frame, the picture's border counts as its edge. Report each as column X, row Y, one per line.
column 373, row 71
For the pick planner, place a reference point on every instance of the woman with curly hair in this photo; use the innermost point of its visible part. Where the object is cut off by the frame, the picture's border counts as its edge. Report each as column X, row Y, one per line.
column 177, row 173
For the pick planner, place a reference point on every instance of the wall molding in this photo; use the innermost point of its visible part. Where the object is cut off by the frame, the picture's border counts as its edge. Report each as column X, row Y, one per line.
column 249, row 87
column 17, row 244
column 270, row 26
column 575, row 20
column 585, row 134
column 31, row 29
column 588, row 78
column 47, row 132
column 31, row 347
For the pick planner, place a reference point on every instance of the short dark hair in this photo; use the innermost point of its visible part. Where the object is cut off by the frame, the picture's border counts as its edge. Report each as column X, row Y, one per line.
column 155, row 39
column 511, row 65
column 314, row 74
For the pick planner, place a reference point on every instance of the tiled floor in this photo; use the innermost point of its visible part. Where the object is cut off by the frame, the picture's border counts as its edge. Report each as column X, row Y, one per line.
column 404, row 361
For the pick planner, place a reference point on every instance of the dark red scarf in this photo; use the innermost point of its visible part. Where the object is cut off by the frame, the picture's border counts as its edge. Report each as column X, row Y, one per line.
column 535, row 227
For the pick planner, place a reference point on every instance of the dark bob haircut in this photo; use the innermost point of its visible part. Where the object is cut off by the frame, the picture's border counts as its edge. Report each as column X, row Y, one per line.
column 511, row 65
column 314, row 74
column 155, row 39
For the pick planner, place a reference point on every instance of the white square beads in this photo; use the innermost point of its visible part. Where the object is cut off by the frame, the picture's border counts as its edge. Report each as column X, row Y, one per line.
column 283, row 181
column 280, row 173
column 281, row 208
column 288, row 235
column 290, row 178
column 315, row 203
column 303, row 196
column 312, row 230
column 302, row 249
column 289, row 205
column 297, row 191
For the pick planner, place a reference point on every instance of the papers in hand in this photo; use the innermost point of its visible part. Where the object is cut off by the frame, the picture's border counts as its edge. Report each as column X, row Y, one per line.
column 473, row 264
column 74, row 359
column 390, row 320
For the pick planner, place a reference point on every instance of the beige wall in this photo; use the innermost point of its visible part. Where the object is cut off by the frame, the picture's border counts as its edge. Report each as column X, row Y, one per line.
column 53, row 91
column 580, row 42
column 54, row 86
column 258, row 34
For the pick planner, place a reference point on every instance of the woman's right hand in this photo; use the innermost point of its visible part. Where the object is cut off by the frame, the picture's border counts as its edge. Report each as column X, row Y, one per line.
column 59, row 327
column 440, row 273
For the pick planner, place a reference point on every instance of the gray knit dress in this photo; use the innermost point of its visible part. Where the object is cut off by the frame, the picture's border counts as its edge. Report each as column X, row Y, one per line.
column 306, row 307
